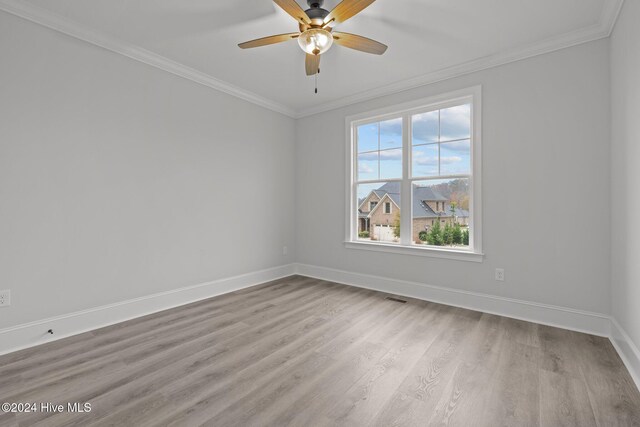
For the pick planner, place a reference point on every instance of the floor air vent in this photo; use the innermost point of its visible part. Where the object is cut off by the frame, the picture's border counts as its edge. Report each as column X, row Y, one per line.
column 396, row 300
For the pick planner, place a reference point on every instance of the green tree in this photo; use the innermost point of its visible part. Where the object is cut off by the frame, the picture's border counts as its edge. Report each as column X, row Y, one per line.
column 396, row 225
column 423, row 235
column 435, row 235
column 457, row 234
column 465, row 237
column 447, row 234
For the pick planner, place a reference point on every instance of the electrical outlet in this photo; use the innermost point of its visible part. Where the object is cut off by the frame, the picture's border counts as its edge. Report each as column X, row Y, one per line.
column 500, row 274
column 5, row 298
column 285, row 250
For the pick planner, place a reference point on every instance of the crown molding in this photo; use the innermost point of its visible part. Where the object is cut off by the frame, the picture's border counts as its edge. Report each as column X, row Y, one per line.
column 61, row 24
column 36, row 14
column 610, row 14
column 600, row 30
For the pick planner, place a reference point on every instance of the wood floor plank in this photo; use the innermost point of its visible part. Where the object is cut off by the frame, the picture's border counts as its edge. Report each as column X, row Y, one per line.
column 469, row 395
column 197, row 385
column 87, row 366
column 615, row 400
column 521, row 332
column 248, row 410
column 557, row 353
column 115, row 383
column 409, row 336
column 283, row 320
column 7, row 419
column 146, row 409
column 302, row 351
column 47, row 369
column 238, row 346
column 418, row 395
column 564, row 401
column 318, row 396
column 515, row 388
column 241, row 388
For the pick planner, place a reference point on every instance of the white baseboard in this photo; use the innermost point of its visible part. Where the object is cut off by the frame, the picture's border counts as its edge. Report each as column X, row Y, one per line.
column 34, row 333
column 627, row 350
column 561, row 317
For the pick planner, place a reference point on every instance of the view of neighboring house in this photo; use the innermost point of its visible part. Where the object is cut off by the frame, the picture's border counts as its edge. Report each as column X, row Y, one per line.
column 379, row 211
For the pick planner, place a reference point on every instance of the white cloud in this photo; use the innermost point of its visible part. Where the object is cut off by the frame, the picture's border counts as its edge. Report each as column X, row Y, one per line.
column 368, row 156
column 383, row 155
column 391, row 127
column 422, row 160
column 364, row 168
column 425, row 160
column 391, row 155
column 459, row 146
column 450, row 160
column 454, row 122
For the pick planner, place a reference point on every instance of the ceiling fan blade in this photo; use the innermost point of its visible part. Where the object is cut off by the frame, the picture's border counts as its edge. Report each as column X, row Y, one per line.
column 312, row 64
column 294, row 9
column 345, row 10
column 264, row 41
column 360, row 43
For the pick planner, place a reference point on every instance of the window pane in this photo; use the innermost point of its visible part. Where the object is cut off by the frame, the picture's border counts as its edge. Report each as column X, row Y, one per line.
column 367, row 137
column 455, row 158
column 425, row 127
column 424, row 160
column 391, row 134
column 368, row 166
column 455, row 123
column 378, row 212
column 441, row 214
column 391, row 164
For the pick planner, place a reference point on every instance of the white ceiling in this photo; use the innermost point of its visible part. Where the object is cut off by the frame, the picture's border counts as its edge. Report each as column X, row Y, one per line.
column 424, row 37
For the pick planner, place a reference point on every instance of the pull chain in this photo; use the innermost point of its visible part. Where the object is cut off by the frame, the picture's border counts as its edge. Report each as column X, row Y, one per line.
column 316, row 78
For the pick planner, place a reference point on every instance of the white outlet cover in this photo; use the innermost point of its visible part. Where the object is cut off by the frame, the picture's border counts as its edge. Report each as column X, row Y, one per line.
column 500, row 274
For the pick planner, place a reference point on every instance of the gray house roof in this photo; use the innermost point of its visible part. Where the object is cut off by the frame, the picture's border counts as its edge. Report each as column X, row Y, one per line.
column 420, row 196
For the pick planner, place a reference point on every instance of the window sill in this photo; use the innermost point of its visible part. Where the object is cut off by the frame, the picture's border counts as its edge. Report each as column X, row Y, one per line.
column 454, row 254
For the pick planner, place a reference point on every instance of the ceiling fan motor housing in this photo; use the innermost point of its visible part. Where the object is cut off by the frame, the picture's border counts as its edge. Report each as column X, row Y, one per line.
column 316, row 12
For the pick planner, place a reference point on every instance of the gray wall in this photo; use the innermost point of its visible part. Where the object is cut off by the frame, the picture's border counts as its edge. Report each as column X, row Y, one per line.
column 546, row 184
column 119, row 180
column 625, row 170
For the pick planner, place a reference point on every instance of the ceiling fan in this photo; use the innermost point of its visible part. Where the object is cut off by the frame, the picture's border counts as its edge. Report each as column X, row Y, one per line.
column 316, row 33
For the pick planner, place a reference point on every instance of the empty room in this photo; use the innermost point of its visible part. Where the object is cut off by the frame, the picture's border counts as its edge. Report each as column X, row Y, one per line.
column 320, row 213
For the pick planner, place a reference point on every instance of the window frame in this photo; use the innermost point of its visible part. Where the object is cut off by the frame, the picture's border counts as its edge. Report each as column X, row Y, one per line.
column 471, row 95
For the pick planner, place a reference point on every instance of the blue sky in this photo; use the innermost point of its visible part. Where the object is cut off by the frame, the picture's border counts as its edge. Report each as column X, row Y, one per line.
column 440, row 138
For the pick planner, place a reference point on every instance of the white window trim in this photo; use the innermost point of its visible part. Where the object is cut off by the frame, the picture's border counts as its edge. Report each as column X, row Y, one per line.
column 474, row 95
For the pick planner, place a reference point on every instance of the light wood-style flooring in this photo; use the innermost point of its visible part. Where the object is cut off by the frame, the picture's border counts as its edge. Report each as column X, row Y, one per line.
column 305, row 352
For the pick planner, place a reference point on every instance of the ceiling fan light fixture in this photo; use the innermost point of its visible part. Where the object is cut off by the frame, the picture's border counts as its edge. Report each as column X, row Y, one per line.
column 315, row 41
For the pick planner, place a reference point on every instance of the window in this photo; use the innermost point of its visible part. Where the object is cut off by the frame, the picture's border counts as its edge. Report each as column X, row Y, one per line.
column 424, row 158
